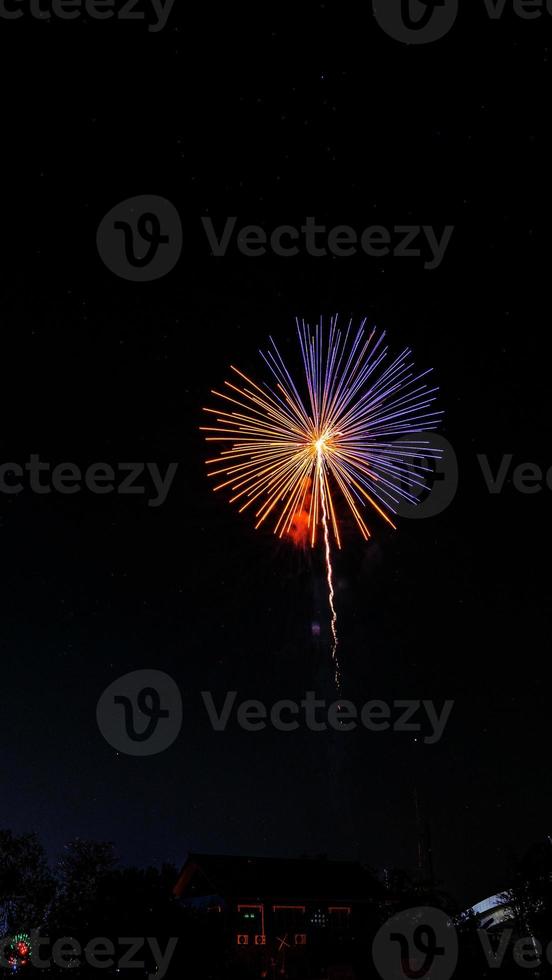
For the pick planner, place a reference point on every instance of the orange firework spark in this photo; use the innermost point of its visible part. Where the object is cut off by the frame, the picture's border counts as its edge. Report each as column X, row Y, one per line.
column 299, row 530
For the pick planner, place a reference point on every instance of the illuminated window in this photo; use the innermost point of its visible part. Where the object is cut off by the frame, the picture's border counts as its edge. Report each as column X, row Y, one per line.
column 251, row 919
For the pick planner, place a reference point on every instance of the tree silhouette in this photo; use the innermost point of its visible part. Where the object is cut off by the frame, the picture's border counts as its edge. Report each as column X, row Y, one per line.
column 26, row 884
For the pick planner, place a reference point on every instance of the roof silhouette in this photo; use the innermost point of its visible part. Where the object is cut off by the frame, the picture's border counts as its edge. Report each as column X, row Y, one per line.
column 278, row 878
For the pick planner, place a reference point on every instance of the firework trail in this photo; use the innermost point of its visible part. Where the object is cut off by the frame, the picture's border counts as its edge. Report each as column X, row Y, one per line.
column 341, row 437
column 329, row 574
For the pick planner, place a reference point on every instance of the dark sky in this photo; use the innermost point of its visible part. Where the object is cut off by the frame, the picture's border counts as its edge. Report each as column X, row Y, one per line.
column 237, row 117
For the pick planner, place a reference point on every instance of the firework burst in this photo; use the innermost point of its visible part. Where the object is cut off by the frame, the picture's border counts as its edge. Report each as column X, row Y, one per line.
column 342, row 437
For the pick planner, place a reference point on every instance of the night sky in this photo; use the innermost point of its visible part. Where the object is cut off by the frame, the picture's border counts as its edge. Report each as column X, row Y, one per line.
column 273, row 121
